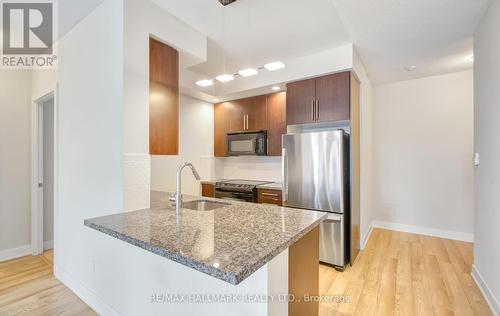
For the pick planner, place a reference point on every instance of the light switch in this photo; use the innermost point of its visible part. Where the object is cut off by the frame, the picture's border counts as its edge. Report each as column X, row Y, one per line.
column 476, row 159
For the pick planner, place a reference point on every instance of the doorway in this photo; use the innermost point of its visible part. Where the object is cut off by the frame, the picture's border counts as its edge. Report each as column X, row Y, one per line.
column 44, row 171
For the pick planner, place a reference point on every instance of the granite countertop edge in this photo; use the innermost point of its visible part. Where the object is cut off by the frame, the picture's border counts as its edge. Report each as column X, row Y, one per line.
column 230, row 277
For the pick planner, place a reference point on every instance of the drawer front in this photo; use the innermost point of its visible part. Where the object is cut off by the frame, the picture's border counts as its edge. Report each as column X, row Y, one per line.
column 269, row 197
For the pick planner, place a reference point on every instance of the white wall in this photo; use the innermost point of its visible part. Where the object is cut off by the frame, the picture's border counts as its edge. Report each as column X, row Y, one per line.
column 90, row 140
column 487, row 186
column 15, row 162
column 423, row 145
column 142, row 20
column 48, row 173
column 196, row 145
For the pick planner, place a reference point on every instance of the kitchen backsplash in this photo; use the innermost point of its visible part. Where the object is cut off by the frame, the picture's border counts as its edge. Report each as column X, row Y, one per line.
column 253, row 168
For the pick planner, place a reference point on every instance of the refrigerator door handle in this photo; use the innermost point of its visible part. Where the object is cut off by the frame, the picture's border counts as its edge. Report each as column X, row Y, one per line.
column 284, row 174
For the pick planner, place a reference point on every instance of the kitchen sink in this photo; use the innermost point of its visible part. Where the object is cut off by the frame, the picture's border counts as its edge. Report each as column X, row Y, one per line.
column 204, row 205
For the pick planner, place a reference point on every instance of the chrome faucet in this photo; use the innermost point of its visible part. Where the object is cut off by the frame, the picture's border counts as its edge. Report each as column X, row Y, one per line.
column 177, row 197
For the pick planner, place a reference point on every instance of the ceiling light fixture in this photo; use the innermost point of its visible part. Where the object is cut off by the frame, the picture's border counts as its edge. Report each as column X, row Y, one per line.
column 275, row 65
column 243, row 73
column 225, row 78
column 410, row 68
column 216, row 100
column 276, row 88
column 205, row 83
column 248, row 72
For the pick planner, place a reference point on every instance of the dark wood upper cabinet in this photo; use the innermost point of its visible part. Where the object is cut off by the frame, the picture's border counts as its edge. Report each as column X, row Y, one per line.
column 323, row 99
column 257, row 119
column 300, row 102
column 332, row 97
column 248, row 114
column 221, row 128
column 163, row 99
column 237, row 114
column 276, row 122
column 264, row 112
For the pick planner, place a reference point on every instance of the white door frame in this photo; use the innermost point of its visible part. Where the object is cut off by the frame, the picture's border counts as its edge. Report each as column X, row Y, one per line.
column 37, row 168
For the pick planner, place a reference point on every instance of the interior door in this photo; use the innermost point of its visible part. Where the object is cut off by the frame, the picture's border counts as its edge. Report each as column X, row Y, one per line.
column 300, row 102
column 333, row 97
column 313, row 171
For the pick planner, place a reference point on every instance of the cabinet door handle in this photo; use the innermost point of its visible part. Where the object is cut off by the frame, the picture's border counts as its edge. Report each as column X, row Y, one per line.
column 312, row 110
column 247, row 121
column 270, row 194
column 317, row 110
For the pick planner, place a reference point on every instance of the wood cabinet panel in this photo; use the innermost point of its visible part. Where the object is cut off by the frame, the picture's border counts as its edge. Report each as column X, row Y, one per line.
column 355, row 142
column 266, row 196
column 221, row 128
column 303, row 271
column 207, row 190
column 163, row 99
column 257, row 117
column 237, row 111
column 333, row 97
column 300, row 101
column 276, row 122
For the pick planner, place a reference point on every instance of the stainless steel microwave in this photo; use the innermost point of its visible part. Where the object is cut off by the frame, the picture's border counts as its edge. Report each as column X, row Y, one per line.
column 247, row 144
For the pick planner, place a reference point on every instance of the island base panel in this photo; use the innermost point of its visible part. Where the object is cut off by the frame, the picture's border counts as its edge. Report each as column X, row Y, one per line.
column 303, row 274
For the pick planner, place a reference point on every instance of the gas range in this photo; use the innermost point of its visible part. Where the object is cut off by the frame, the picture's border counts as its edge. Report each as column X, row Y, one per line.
column 238, row 190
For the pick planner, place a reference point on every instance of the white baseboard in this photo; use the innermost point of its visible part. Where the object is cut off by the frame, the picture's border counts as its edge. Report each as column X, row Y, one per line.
column 9, row 254
column 89, row 297
column 448, row 234
column 487, row 293
column 49, row 244
column 366, row 237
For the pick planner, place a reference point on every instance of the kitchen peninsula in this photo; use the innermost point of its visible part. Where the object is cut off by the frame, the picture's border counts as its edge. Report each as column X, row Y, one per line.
column 243, row 250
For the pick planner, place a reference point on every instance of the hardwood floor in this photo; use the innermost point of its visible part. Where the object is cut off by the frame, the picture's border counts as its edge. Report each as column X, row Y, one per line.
column 28, row 287
column 396, row 274
column 405, row 274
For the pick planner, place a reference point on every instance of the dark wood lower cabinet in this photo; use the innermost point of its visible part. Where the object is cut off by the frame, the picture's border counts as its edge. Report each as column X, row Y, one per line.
column 207, row 190
column 266, row 196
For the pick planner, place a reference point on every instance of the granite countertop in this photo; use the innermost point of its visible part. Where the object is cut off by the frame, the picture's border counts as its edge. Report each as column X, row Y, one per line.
column 271, row 186
column 228, row 243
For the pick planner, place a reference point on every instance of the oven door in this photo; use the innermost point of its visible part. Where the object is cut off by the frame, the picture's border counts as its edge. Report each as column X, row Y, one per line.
column 235, row 196
column 247, row 144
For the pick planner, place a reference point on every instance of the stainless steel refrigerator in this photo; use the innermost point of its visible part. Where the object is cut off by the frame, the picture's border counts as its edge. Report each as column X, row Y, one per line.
column 316, row 177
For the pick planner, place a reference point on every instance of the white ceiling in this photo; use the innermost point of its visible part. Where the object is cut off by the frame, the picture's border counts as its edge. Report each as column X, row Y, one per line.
column 258, row 31
column 433, row 35
column 389, row 35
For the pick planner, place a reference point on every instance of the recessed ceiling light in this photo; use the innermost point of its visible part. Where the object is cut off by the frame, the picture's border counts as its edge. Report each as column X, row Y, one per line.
column 410, row 68
column 205, row 83
column 225, row 78
column 276, row 88
column 274, row 66
column 216, row 100
column 248, row 72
